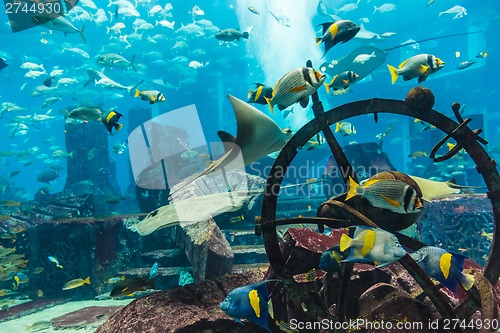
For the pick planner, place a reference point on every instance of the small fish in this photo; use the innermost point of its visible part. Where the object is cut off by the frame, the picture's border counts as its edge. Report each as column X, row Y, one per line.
column 55, row 261
column 466, row 64
column 259, row 95
column 129, row 286
column 9, row 203
column 189, row 154
column 229, row 35
column 115, row 280
column 372, row 245
column 386, row 7
column 76, row 283
column 283, row 20
column 362, row 58
column 444, row 266
column 459, row 12
column 251, row 302
column 310, row 276
column 113, row 199
column 329, row 260
column 419, row 66
column 119, row 148
column 151, row 96
column 254, row 10
column 237, row 219
column 482, row 55
column 38, row 326
column 488, row 235
column 154, row 271
column 49, row 81
column 62, row 154
column 111, row 121
column 91, row 154
column 342, row 81
column 416, row 154
column 286, row 327
column 345, row 128
column 336, row 32
column 390, row 194
column 457, row 54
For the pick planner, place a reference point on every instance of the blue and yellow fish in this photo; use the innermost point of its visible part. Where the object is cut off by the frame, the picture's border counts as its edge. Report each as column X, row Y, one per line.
column 55, row 261
column 329, row 261
column 251, row 302
column 444, row 266
column 372, row 246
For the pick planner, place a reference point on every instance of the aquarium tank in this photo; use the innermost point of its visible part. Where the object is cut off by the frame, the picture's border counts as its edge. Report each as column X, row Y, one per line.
column 249, row 166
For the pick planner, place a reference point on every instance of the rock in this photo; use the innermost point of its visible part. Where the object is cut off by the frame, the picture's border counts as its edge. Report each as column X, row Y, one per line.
column 384, row 303
column 192, row 308
column 206, row 248
column 91, row 316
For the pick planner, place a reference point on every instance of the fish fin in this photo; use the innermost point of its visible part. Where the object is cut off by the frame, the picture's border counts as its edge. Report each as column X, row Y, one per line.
column 401, row 65
column 318, row 40
column 352, row 190
column 337, row 127
column 118, row 126
column 422, row 78
column 467, row 281
column 394, row 73
column 228, row 140
column 327, row 86
column 424, row 68
column 268, row 100
column 87, row 280
column 345, row 242
column 137, row 93
column 345, row 81
column 325, row 26
column 249, row 95
column 132, row 63
column 304, row 101
column 391, row 202
column 81, row 34
column 131, row 90
column 298, row 88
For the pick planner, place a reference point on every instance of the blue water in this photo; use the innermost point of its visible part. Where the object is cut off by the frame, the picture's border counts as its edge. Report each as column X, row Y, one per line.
column 270, row 52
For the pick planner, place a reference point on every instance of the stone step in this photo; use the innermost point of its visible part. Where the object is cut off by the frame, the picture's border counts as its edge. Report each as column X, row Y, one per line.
column 237, row 237
column 166, row 258
column 249, row 254
column 167, row 278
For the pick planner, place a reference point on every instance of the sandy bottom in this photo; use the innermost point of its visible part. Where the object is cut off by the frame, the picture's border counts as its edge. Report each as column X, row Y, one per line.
column 18, row 325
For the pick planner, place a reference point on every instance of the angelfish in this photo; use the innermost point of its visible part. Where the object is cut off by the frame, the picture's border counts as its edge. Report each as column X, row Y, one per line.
column 419, row 66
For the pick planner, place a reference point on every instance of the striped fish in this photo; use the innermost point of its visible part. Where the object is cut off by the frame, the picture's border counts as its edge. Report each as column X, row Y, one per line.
column 421, row 66
column 341, row 81
column 391, row 194
column 295, row 86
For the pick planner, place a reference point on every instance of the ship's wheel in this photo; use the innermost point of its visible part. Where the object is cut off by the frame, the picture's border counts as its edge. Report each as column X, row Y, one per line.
column 418, row 104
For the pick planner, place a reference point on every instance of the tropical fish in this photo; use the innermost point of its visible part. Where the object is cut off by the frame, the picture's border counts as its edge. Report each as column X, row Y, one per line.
column 111, row 121
column 390, row 194
column 372, row 245
column 419, row 66
column 151, row 96
column 329, row 260
column 251, row 302
column 236, row 219
column 114, row 280
column 345, row 128
column 119, row 148
column 154, row 271
column 446, row 267
column 295, row 86
column 129, row 286
column 466, row 64
column 488, row 235
column 76, row 283
column 482, row 55
column 310, row 276
column 55, row 261
column 336, row 32
column 341, row 81
column 259, row 95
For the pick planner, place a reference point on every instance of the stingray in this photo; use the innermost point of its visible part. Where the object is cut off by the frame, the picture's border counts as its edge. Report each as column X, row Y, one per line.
column 363, row 70
column 432, row 189
column 257, row 136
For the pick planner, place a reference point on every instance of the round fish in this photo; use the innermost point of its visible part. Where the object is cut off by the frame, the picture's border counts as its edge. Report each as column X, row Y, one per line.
column 295, row 86
column 419, row 66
